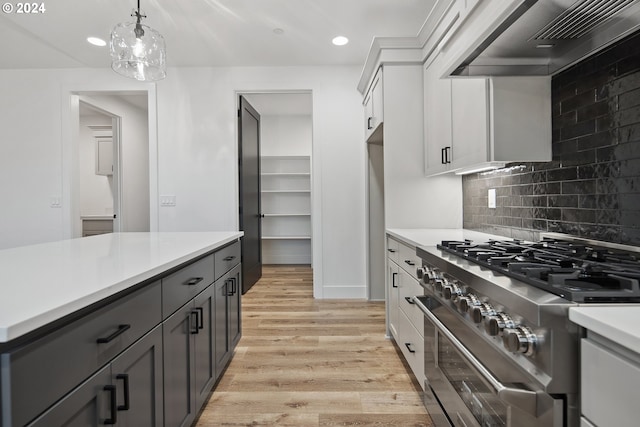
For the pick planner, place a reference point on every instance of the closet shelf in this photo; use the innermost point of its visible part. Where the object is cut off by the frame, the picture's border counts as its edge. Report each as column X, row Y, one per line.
column 285, row 191
column 286, row 237
column 286, row 214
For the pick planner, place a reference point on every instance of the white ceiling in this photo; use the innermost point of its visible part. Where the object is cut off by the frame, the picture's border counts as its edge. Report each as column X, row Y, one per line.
column 210, row 32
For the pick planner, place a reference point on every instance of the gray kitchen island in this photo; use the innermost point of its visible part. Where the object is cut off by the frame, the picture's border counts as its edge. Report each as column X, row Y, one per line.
column 117, row 329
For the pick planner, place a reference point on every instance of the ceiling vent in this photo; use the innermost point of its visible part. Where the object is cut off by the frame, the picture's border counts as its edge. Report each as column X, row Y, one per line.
column 582, row 17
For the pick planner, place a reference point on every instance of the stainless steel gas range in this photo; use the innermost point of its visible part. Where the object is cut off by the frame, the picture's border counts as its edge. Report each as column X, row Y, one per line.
column 499, row 347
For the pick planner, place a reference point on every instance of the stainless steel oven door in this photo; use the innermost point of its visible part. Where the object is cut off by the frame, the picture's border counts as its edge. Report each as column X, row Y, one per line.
column 461, row 391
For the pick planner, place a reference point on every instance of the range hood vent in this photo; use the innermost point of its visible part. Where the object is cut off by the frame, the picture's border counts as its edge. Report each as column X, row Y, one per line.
column 582, row 17
column 544, row 37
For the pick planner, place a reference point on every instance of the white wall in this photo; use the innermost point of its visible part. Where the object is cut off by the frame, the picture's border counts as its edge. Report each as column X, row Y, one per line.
column 285, row 135
column 196, row 156
column 96, row 191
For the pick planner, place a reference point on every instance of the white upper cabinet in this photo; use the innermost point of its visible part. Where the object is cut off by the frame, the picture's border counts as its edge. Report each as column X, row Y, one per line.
column 437, row 123
column 479, row 123
column 373, row 110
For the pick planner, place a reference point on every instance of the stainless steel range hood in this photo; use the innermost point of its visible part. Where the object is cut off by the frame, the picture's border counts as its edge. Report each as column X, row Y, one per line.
column 547, row 36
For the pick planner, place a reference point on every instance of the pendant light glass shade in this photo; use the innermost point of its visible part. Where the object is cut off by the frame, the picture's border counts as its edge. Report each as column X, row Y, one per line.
column 137, row 50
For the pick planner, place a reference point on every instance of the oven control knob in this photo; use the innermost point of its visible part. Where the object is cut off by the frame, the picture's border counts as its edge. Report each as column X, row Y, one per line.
column 520, row 339
column 438, row 284
column 496, row 324
column 420, row 272
column 478, row 312
column 465, row 302
column 451, row 291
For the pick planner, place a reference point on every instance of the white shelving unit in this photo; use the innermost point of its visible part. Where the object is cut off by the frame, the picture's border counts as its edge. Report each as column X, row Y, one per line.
column 286, row 206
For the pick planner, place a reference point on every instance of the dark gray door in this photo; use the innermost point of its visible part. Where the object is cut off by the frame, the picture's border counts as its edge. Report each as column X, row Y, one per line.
column 137, row 374
column 222, row 352
column 203, row 345
column 179, row 399
column 87, row 406
column 250, row 214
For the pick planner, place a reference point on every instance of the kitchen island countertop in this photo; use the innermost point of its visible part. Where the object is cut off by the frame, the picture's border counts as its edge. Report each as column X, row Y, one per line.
column 45, row 282
column 617, row 323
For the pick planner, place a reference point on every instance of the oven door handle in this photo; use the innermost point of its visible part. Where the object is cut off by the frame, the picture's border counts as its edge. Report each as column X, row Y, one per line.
column 526, row 400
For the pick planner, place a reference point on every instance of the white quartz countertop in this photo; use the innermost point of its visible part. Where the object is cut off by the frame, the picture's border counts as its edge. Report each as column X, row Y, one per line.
column 433, row 236
column 42, row 283
column 618, row 323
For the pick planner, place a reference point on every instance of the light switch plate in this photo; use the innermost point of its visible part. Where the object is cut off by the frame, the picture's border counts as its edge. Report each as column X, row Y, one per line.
column 492, row 198
column 167, row 200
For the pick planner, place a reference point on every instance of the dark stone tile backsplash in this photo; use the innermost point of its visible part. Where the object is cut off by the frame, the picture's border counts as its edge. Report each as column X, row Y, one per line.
column 591, row 188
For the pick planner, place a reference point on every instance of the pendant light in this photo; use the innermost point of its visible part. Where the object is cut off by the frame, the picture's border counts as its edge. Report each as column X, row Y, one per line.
column 137, row 50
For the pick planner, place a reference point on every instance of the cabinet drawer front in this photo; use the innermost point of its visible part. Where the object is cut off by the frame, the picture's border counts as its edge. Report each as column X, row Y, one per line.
column 409, row 287
column 66, row 357
column 226, row 259
column 408, row 260
column 185, row 284
column 411, row 344
column 609, row 386
column 393, row 248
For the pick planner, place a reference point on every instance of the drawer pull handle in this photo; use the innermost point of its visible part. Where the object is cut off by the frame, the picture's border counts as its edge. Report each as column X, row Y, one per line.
column 229, row 258
column 114, row 413
column 393, row 280
column 408, row 261
column 393, row 251
column 369, row 127
column 194, row 281
column 409, row 300
column 408, row 345
column 125, row 379
column 121, row 330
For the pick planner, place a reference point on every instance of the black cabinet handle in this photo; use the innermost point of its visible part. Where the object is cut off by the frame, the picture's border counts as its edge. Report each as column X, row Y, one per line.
column 193, row 326
column 409, row 300
column 125, row 379
column 200, row 317
column 369, row 127
column 408, row 261
column 230, row 257
column 447, row 150
column 194, row 281
column 391, row 250
column 393, row 280
column 121, row 329
column 408, row 345
column 232, row 282
column 442, row 156
column 114, row 410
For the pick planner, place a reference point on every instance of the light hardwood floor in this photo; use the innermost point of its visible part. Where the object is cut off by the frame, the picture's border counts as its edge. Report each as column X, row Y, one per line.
column 304, row 362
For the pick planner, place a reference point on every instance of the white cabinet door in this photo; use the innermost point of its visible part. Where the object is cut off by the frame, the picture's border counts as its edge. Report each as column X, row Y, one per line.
column 373, row 110
column 469, row 122
column 104, row 157
column 437, row 118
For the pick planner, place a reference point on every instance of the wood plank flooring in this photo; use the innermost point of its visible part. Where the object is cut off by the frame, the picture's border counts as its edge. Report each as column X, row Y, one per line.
column 317, row 363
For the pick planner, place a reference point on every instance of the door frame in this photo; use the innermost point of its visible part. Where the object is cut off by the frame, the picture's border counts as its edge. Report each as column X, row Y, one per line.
column 316, row 212
column 70, row 138
column 116, row 128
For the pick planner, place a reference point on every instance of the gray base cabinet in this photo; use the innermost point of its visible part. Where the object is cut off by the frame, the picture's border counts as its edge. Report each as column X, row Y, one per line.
column 227, row 316
column 190, row 365
column 128, row 392
column 148, row 358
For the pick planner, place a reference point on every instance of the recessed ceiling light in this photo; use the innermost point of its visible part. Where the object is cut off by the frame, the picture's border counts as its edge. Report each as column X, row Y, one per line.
column 278, row 31
column 96, row 41
column 340, row 40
